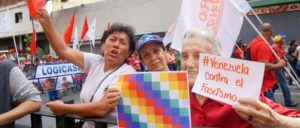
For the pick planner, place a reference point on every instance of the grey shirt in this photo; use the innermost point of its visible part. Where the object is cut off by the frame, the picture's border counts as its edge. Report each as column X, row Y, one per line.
column 21, row 88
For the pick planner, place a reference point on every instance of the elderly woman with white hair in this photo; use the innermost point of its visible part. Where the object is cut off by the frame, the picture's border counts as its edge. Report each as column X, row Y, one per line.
column 208, row 112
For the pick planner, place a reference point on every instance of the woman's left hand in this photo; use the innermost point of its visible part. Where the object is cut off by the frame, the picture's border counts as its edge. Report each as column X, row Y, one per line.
column 57, row 107
column 257, row 113
column 112, row 96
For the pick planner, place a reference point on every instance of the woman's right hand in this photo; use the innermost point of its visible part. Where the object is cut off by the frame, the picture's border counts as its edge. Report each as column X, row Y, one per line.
column 57, row 42
column 44, row 18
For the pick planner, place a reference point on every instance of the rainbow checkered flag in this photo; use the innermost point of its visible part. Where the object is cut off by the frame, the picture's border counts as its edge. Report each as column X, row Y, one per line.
column 154, row 100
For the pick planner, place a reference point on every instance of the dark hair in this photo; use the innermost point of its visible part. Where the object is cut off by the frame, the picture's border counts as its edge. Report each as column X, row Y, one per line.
column 161, row 45
column 292, row 42
column 119, row 27
column 168, row 46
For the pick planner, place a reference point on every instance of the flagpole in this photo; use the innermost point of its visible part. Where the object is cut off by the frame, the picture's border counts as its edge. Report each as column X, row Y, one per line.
column 81, row 41
column 17, row 54
column 288, row 64
column 32, row 39
column 295, row 74
column 91, row 46
column 239, row 48
column 273, row 52
column 260, row 21
column 79, row 45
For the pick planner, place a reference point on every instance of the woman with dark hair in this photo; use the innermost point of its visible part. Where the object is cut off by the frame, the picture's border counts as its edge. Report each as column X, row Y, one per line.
column 290, row 56
column 98, row 97
column 151, row 51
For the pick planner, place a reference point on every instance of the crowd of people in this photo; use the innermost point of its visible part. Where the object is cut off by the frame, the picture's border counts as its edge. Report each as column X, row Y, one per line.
column 56, row 87
column 99, row 96
column 275, row 77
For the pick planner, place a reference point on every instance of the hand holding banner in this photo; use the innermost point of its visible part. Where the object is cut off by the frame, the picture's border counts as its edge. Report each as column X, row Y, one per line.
column 34, row 6
column 227, row 80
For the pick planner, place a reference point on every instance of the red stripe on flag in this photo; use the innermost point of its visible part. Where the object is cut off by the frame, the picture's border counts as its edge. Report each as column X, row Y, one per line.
column 34, row 6
column 33, row 44
column 69, row 30
column 84, row 29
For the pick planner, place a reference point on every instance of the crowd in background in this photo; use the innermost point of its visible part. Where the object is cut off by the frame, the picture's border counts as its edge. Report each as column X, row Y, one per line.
column 286, row 50
column 56, row 87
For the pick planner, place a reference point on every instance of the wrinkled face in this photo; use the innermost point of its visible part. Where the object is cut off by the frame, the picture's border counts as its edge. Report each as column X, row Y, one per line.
column 116, row 48
column 191, row 50
column 154, row 57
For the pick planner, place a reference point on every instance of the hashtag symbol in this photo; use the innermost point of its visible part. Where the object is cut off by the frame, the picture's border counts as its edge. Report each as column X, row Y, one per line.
column 205, row 61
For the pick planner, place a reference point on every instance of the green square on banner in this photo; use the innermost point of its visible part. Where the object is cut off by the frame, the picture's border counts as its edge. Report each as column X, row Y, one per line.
column 135, row 118
column 143, row 125
column 165, row 94
column 155, row 86
column 127, row 109
column 183, row 112
column 174, row 103
column 147, row 77
column 121, row 101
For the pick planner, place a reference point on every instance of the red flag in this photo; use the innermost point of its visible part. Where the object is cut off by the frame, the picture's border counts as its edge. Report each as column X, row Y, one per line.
column 33, row 44
column 69, row 30
column 84, row 29
column 34, row 6
column 108, row 25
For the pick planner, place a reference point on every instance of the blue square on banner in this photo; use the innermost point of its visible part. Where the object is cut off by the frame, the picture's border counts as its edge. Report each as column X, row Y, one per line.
column 175, row 111
column 156, row 94
column 140, row 77
column 166, row 103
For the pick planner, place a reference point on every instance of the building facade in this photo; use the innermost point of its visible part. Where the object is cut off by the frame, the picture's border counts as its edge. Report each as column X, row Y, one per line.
column 146, row 16
column 21, row 26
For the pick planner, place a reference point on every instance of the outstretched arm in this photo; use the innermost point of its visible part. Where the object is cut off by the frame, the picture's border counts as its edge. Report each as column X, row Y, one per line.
column 262, row 116
column 19, row 111
column 57, row 42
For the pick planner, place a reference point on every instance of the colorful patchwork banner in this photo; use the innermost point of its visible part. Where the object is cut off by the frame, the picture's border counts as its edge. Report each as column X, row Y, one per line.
column 154, row 100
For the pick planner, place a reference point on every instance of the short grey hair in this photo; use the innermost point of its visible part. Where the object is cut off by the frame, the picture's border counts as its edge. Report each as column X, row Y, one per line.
column 213, row 43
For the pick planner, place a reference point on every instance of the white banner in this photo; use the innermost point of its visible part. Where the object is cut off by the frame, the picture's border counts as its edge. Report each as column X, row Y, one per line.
column 91, row 32
column 227, row 79
column 75, row 40
column 56, row 69
column 224, row 18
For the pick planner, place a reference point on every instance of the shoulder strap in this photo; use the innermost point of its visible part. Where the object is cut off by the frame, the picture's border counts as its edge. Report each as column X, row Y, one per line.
column 92, row 98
